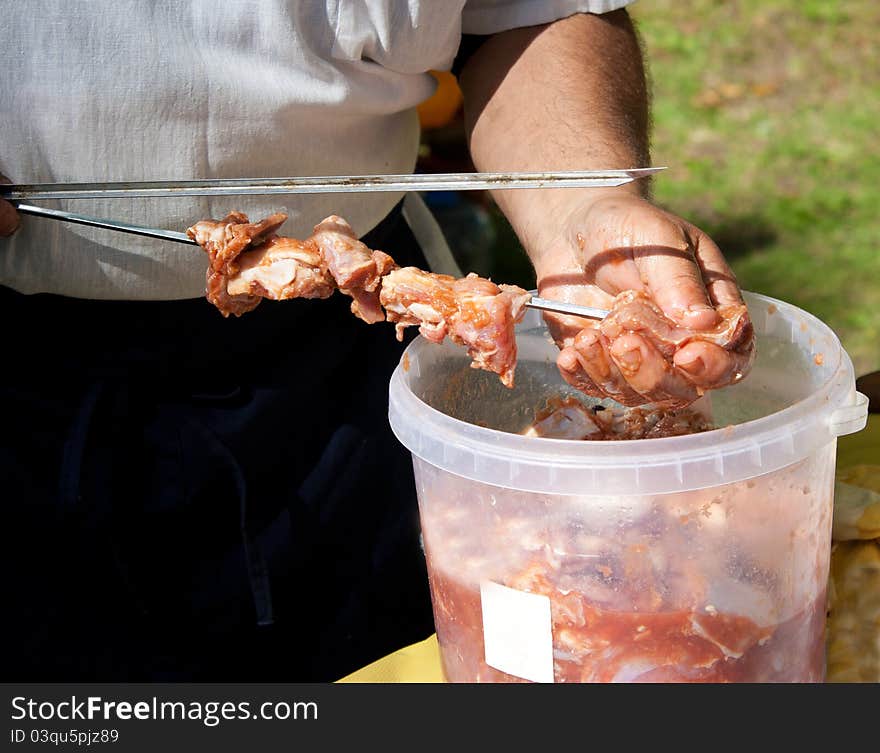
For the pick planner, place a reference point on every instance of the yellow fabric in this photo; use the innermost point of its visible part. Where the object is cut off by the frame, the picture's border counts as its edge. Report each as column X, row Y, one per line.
column 854, row 588
column 861, row 448
column 854, row 617
column 857, row 503
column 419, row 662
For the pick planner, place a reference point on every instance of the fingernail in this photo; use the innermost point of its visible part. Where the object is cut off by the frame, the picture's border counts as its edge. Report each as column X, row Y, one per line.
column 630, row 359
column 699, row 316
column 700, row 308
column 681, row 312
column 585, row 339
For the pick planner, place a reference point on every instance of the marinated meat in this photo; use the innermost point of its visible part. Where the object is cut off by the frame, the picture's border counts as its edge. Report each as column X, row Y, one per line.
column 569, row 418
column 217, row 292
column 281, row 268
column 586, row 361
column 487, row 316
column 596, row 644
column 224, row 241
column 633, row 311
column 724, row 584
column 248, row 262
column 357, row 270
column 472, row 311
column 412, row 297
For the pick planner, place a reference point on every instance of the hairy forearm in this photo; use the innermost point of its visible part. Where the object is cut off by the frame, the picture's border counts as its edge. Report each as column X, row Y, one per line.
column 567, row 96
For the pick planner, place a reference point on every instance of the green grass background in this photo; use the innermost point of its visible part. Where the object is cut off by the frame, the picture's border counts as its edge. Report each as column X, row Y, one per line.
column 766, row 113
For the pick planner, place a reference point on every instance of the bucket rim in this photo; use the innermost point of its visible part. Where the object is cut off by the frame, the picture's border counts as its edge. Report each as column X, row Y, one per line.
column 810, row 417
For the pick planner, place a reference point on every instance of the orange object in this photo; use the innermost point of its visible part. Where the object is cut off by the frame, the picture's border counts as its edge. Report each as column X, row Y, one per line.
column 439, row 110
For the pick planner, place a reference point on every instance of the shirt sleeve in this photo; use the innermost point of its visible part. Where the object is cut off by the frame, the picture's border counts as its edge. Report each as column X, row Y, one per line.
column 493, row 16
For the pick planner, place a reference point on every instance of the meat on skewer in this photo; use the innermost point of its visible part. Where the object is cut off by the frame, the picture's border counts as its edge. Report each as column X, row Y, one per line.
column 472, row 311
column 248, row 262
column 357, row 270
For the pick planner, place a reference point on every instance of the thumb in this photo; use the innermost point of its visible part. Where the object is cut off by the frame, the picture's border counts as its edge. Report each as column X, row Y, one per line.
column 9, row 218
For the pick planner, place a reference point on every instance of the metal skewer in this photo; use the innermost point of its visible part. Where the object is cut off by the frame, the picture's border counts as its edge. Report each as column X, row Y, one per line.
column 559, row 307
column 326, row 184
column 122, row 227
column 170, row 235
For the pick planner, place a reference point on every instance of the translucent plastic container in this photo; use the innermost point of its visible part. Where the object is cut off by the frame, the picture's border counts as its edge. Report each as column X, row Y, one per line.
column 695, row 558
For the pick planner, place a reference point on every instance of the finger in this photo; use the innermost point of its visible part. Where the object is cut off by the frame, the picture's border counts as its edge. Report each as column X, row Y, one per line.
column 719, row 279
column 563, row 328
column 597, row 363
column 607, row 258
column 572, row 371
column 669, row 270
column 708, row 365
column 633, row 313
column 611, row 268
column 649, row 374
column 9, row 219
column 571, row 288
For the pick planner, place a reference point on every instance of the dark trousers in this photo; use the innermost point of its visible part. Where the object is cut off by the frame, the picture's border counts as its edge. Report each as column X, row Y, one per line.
column 189, row 497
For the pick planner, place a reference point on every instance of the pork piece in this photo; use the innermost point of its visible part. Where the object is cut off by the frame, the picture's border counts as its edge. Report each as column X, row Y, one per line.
column 592, row 643
column 357, row 270
column 472, row 311
column 591, row 362
column 282, row 268
column 216, row 292
column 569, row 418
column 250, row 262
column 224, row 241
column 412, row 297
column 636, row 312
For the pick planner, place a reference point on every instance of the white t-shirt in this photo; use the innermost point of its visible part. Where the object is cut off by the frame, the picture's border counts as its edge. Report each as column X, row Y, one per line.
column 122, row 90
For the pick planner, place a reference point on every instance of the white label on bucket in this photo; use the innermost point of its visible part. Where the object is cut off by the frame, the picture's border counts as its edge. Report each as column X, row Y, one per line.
column 517, row 635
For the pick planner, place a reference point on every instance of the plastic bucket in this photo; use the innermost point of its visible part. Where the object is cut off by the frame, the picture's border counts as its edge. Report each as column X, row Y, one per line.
column 695, row 558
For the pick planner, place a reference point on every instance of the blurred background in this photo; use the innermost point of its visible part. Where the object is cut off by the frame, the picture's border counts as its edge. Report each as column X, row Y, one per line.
column 766, row 113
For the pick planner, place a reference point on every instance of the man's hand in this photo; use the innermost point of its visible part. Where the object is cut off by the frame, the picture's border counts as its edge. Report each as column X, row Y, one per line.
column 9, row 219
column 621, row 242
column 571, row 95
